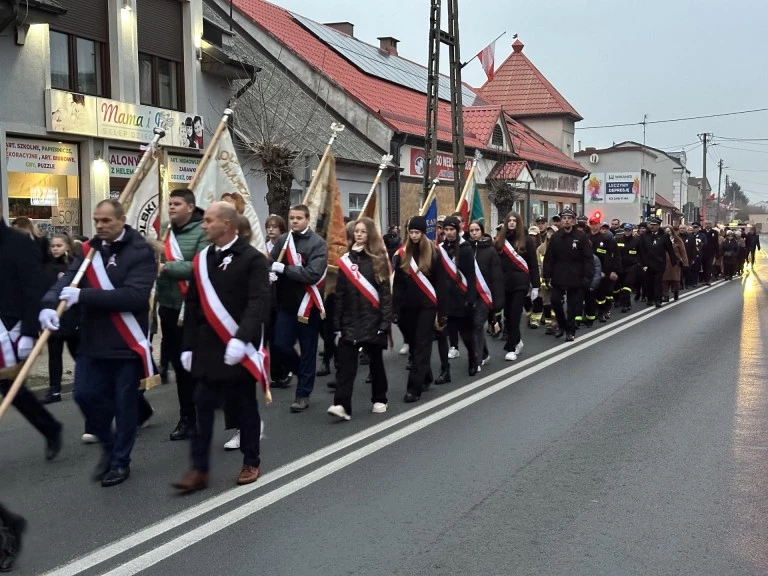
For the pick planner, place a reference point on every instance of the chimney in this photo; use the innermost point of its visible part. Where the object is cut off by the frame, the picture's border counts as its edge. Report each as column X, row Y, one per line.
column 344, row 27
column 388, row 44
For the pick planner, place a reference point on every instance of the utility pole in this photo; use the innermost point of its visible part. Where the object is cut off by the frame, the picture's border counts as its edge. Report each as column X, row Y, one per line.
column 719, row 182
column 726, row 189
column 704, row 191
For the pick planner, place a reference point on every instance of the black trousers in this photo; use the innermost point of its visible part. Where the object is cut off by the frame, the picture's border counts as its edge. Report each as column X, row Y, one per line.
column 328, row 330
column 442, row 348
column 56, row 358
column 453, row 335
column 653, row 284
column 707, row 267
column 692, row 276
column 626, row 283
column 347, row 355
column 513, row 311
column 172, row 340
column 31, row 408
column 751, row 256
column 575, row 299
column 465, row 327
column 240, row 396
column 419, row 326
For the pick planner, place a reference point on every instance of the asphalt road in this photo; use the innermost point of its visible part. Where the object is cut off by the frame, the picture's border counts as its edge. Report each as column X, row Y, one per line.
column 637, row 450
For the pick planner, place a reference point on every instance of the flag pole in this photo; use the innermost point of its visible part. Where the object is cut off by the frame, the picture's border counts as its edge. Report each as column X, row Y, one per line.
column 430, row 197
column 336, row 129
column 489, row 43
column 385, row 160
column 125, row 197
column 463, row 196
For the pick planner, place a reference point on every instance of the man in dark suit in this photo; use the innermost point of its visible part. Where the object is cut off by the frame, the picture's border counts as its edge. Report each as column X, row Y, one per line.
column 21, row 287
column 227, row 306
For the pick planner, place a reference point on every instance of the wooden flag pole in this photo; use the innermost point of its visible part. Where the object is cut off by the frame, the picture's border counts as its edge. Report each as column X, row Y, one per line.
column 385, row 160
column 223, row 123
column 126, row 196
column 336, row 129
column 430, row 197
column 463, row 196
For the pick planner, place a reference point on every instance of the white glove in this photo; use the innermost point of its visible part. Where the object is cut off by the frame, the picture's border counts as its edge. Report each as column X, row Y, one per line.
column 48, row 319
column 278, row 267
column 26, row 343
column 272, row 277
column 235, row 352
column 71, row 295
column 186, row 360
column 534, row 293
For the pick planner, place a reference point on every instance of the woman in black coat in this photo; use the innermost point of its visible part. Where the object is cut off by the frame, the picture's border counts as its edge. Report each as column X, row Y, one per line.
column 62, row 252
column 363, row 317
column 521, row 272
column 490, row 285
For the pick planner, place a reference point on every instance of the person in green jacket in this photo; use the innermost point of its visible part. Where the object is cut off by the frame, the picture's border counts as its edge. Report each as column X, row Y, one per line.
column 183, row 241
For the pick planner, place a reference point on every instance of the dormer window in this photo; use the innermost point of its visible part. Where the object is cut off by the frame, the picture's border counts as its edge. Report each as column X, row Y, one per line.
column 497, row 138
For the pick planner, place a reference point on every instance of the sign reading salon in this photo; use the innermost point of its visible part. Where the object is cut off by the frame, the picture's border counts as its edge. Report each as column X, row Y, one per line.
column 72, row 113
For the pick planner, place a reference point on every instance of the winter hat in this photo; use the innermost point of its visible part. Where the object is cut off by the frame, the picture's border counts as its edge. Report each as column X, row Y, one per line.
column 418, row 223
column 452, row 222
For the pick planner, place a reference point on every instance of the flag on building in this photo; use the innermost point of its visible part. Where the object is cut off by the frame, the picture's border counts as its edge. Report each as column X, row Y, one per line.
column 431, row 216
column 222, row 178
column 487, row 59
column 144, row 205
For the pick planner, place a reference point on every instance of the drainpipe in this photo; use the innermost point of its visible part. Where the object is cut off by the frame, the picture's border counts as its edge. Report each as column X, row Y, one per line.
column 584, row 192
column 12, row 17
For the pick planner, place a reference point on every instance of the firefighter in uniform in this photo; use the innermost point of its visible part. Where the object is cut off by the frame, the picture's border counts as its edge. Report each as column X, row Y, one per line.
column 597, row 304
column 629, row 247
column 654, row 247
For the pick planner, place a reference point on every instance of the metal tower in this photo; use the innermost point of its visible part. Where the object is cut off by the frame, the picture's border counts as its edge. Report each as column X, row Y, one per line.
column 451, row 39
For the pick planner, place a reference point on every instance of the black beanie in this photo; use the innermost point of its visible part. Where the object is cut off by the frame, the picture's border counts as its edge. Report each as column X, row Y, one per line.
column 452, row 222
column 418, row 223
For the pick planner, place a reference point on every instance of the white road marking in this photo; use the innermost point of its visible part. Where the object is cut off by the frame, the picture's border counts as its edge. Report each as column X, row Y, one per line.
column 153, row 531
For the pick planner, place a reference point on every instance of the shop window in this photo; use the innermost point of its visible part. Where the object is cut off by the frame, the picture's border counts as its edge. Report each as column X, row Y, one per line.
column 43, row 184
column 78, row 64
column 356, row 203
column 159, row 82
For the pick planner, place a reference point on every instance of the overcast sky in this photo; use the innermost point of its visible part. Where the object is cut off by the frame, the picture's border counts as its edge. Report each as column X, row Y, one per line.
column 614, row 60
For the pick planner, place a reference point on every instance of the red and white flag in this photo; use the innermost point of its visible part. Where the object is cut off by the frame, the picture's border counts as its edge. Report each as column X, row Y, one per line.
column 487, row 59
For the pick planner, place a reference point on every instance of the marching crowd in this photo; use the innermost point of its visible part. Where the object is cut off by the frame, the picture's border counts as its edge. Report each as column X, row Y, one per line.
column 221, row 303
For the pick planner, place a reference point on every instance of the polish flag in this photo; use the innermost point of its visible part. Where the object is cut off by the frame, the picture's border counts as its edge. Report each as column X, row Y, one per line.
column 486, row 57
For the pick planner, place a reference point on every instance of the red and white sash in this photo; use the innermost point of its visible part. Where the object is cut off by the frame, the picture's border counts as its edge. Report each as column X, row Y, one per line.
column 418, row 276
column 517, row 260
column 126, row 323
column 453, row 271
column 9, row 340
column 482, row 287
column 256, row 361
column 173, row 253
column 352, row 273
column 313, row 298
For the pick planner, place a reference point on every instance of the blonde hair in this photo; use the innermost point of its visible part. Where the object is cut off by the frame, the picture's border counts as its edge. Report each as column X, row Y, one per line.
column 374, row 247
column 426, row 254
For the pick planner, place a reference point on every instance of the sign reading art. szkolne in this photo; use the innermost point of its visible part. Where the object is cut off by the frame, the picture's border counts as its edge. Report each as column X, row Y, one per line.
column 41, row 157
column 622, row 187
column 93, row 116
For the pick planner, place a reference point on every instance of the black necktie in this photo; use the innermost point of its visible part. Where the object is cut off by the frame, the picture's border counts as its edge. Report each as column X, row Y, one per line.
column 219, row 256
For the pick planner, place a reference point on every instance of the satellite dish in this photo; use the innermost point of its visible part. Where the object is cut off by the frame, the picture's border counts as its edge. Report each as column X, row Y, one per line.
column 594, row 158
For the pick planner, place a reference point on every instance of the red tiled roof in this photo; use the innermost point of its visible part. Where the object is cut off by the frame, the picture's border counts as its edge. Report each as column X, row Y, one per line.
column 402, row 108
column 530, row 146
column 508, row 170
column 522, row 90
column 481, row 120
column 661, row 201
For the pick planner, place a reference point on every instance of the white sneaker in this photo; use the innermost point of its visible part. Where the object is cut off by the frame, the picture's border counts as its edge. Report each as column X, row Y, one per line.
column 338, row 411
column 453, row 353
column 485, row 360
column 404, row 349
column 519, row 347
column 234, row 442
column 89, row 438
column 379, row 408
column 510, row 356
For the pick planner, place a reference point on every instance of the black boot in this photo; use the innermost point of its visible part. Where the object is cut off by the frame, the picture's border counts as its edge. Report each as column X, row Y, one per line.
column 676, row 295
column 183, row 430
column 444, row 377
column 325, row 368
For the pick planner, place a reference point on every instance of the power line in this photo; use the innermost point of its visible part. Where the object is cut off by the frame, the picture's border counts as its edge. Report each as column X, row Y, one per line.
column 748, row 169
column 742, row 139
column 673, row 119
column 744, row 149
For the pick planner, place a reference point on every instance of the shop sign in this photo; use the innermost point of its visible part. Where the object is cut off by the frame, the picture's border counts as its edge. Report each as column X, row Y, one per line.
column 443, row 161
column 43, row 196
column 622, row 187
column 181, row 169
column 103, row 118
column 549, row 181
column 41, row 156
column 123, row 163
column 594, row 190
column 67, row 212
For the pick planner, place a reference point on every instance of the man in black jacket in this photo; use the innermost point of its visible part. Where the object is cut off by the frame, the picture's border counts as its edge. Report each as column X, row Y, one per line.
column 114, row 354
column 227, row 308
column 710, row 252
column 568, row 269
column 629, row 251
column 21, row 287
column 654, row 247
column 598, row 302
column 752, row 244
column 458, row 260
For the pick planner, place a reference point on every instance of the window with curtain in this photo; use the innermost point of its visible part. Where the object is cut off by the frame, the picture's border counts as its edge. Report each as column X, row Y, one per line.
column 78, row 64
column 60, row 61
column 159, row 82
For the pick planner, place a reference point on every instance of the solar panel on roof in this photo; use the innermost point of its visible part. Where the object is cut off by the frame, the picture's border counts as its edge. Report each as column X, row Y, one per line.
column 379, row 63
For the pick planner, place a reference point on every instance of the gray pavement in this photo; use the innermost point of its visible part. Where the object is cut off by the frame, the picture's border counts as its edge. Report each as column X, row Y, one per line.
column 637, row 450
